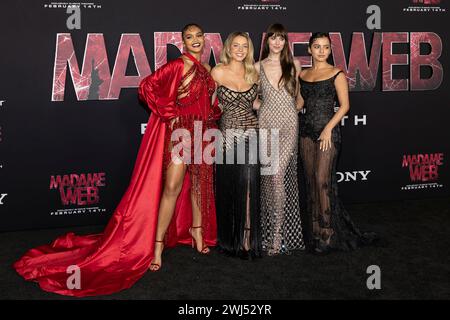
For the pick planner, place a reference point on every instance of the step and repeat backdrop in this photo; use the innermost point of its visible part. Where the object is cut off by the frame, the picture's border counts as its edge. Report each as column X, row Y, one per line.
column 71, row 122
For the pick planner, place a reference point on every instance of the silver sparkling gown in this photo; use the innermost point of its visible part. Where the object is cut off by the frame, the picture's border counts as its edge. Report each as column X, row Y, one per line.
column 280, row 210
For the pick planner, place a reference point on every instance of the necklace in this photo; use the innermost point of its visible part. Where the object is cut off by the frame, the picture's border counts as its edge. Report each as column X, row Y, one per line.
column 273, row 60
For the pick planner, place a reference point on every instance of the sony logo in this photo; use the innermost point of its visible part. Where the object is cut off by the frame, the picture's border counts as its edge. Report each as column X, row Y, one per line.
column 352, row 175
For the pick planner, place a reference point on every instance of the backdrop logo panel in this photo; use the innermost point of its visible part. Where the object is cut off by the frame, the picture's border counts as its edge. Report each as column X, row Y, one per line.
column 64, row 5
column 78, row 189
column 423, row 169
column 427, row 6
column 263, row 5
column 97, row 82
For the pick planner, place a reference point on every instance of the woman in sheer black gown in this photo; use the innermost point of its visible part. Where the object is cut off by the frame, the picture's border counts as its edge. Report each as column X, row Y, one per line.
column 322, row 86
column 238, row 174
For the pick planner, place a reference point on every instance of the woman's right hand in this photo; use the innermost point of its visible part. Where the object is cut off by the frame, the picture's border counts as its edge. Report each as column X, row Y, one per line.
column 173, row 121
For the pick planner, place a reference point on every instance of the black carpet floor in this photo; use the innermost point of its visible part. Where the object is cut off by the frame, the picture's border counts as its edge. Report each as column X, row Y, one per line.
column 414, row 262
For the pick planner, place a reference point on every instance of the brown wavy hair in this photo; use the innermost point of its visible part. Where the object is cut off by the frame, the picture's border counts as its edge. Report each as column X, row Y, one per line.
column 286, row 59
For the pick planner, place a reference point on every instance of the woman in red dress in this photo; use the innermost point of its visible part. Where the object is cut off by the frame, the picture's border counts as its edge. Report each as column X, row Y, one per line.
column 179, row 96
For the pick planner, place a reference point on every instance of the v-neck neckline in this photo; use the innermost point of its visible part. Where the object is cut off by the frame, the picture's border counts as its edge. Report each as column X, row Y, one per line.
column 264, row 72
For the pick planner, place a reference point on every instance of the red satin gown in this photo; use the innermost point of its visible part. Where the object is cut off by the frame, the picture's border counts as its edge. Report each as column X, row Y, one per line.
column 115, row 259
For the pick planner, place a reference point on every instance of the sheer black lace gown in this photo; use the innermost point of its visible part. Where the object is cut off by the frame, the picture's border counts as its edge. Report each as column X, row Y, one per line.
column 329, row 224
column 238, row 178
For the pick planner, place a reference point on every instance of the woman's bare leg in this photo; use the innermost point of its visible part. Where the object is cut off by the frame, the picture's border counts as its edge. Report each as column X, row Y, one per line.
column 197, row 233
column 324, row 167
column 172, row 188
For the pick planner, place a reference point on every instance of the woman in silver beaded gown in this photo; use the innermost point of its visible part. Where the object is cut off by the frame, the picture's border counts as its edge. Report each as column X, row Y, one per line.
column 237, row 175
column 280, row 210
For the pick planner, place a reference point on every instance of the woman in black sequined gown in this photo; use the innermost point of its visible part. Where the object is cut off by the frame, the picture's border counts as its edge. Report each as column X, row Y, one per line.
column 237, row 175
column 322, row 86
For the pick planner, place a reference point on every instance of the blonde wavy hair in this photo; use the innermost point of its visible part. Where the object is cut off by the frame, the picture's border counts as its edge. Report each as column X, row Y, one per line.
column 251, row 76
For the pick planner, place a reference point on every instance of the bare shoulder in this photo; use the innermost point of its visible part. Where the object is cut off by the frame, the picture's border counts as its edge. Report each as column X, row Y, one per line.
column 263, row 62
column 341, row 78
column 217, row 72
column 304, row 72
column 340, row 74
column 297, row 64
column 218, row 68
column 258, row 66
column 336, row 70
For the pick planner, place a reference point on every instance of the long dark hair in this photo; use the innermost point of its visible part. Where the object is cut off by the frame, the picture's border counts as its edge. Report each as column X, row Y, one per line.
column 286, row 60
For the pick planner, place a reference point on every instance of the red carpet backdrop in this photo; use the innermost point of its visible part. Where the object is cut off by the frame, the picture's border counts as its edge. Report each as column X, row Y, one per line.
column 71, row 122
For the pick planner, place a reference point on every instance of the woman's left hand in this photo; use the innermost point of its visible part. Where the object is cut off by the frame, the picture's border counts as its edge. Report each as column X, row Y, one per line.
column 325, row 139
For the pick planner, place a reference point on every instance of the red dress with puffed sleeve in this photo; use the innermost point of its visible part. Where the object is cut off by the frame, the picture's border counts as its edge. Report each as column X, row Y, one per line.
column 104, row 263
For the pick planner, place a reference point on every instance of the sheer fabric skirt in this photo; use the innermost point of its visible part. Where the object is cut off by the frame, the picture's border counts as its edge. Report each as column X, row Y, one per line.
column 328, row 224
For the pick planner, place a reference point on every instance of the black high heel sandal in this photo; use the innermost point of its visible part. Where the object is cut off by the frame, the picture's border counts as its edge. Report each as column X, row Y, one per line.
column 205, row 248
